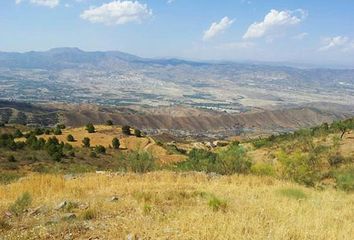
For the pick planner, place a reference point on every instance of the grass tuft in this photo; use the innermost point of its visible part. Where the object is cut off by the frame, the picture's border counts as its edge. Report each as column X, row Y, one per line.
column 21, row 203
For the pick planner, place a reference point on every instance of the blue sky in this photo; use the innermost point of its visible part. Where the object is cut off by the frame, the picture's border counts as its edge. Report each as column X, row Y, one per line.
column 309, row 31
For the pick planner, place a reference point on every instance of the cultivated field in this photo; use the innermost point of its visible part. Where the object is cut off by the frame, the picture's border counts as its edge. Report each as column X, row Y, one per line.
column 166, row 205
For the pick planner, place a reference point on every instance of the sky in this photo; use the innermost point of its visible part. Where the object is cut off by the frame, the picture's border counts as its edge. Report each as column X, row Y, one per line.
column 319, row 32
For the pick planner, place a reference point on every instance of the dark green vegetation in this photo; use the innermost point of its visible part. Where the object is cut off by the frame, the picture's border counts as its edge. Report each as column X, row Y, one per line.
column 229, row 161
column 90, row 128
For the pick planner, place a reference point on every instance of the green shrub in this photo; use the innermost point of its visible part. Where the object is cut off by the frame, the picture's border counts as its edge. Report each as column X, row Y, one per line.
column 299, row 167
column 100, row 149
column 259, row 143
column 70, row 138
column 232, row 160
column 61, row 126
column 18, row 134
column 90, row 128
column 57, row 131
column 86, row 142
column 126, row 130
column 336, row 159
column 11, row 158
column 199, row 160
column 137, row 133
column 293, row 193
column 147, row 208
column 217, row 204
column 93, row 154
column 345, row 180
column 109, row 122
column 21, row 204
column 9, row 177
column 115, row 143
column 138, row 161
column 263, row 169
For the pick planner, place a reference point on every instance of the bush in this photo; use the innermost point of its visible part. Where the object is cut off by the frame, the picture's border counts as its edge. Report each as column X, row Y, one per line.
column 299, row 166
column 199, row 160
column 9, row 177
column 86, row 142
column 11, row 158
column 54, row 149
column 217, row 204
column 38, row 131
column 233, row 160
column 57, row 131
column 138, row 161
column 61, row 126
column 345, row 180
column 22, row 202
column 263, row 169
column 115, row 143
column 18, row 134
column 7, row 141
column 70, row 138
column 137, row 133
column 336, row 159
column 109, row 122
column 93, row 154
column 126, row 130
column 90, row 128
column 100, row 149
column 259, row 143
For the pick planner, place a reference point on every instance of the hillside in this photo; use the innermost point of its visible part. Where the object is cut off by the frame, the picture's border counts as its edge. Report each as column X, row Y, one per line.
column 51, row 187
column 178, row 120
column 165, row 205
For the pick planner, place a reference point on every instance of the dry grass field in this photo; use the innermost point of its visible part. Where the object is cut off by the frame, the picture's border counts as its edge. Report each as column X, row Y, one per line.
column 166, row 205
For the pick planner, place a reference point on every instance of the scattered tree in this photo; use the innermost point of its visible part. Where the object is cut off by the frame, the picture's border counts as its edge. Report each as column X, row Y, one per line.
column 137, row 133
column 100, row 149
column 18, row 134
column 126, row 130
column 90, row 128
column 70, row 138
column 86, row 142
column 57, row 131
column 61, row 126
column 115, row 143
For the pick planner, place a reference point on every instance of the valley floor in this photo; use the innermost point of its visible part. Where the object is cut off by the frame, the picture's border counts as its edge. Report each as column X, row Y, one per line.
column 167, row 205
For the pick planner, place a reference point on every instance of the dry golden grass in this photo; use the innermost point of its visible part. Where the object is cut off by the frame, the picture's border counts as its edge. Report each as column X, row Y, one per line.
column 166, row 205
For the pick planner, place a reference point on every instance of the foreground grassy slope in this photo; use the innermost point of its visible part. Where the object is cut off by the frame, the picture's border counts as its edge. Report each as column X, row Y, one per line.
column 164, row 205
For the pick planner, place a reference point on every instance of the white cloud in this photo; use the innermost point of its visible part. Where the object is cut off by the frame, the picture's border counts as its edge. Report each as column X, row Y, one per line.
column 273, row 21
column 117, row 12
column 46, row 3
column 217, row 28
column 338, row 42
column 170, row 1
